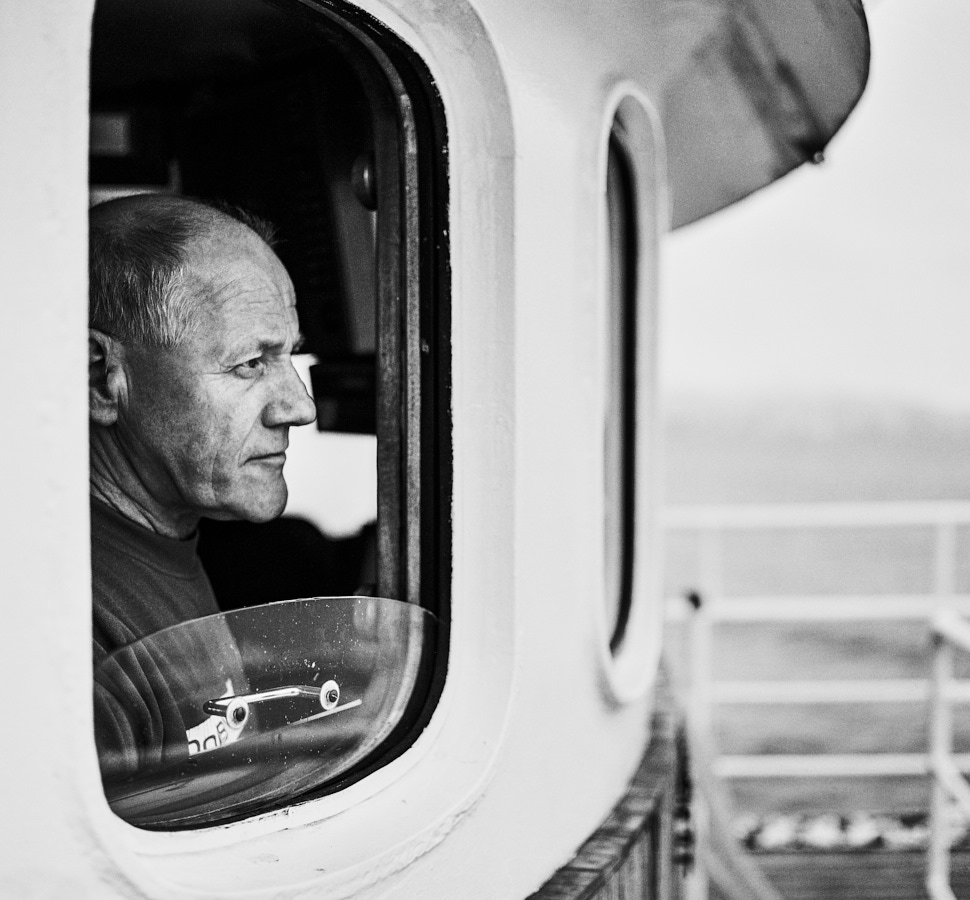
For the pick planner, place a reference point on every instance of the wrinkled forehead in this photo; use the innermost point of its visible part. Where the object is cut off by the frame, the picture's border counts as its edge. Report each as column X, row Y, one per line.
column 243, row 295
column 231, row 264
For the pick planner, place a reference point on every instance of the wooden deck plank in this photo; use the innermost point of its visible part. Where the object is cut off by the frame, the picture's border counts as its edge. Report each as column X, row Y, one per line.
column 856, row 875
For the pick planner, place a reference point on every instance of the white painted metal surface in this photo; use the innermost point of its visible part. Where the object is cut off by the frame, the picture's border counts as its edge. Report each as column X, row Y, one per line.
column 531, row 695
column 49, row 764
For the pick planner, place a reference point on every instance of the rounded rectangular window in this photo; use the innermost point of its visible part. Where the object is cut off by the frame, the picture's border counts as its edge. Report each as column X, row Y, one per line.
column 326, row 650
column 620, row 424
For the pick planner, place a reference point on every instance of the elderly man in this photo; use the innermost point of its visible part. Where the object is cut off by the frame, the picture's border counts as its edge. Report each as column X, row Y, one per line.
column 192, row 394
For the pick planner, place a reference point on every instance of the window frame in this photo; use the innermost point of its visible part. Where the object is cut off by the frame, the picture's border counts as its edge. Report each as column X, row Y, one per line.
column 412, row 359
column 629, row 646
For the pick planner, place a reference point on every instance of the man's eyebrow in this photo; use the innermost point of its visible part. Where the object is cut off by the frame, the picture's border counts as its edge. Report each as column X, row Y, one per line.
column 267, row 346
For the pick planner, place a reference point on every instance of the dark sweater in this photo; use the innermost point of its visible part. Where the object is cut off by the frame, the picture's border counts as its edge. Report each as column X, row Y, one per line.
column 142, row 582
column 148, row 699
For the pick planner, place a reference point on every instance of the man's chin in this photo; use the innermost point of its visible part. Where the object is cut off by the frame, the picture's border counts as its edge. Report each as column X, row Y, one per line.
column 253, row 510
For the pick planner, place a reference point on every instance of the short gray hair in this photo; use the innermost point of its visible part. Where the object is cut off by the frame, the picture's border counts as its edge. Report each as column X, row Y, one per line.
column 137, row 249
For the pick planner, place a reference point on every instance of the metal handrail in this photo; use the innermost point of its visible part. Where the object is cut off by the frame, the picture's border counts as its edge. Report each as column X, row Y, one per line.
column 951, row 633
column 711, row 523
column 694, row 517
column 718, row 857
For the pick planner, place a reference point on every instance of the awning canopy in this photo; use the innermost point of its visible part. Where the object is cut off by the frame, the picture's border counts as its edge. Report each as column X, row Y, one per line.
column 752, row 89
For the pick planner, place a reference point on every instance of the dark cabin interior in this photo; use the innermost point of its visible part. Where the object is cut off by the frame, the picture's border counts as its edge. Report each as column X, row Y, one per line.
column 242, row 103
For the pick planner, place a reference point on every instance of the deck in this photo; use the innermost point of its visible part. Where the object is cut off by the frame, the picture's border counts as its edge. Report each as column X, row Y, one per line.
column 855, row 875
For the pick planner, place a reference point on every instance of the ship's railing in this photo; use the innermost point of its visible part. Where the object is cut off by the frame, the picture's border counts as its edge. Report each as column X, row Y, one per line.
column 710, row 525
column 717, row 857
column 951, row 633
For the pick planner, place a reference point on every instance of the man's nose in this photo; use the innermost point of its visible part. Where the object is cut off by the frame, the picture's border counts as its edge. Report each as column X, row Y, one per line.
column 291, row 405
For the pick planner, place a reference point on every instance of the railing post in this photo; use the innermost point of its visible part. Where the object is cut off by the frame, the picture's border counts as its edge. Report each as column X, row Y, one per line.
column 711, row 571
column 700, row 719
column 698, row 727
column 941, row 746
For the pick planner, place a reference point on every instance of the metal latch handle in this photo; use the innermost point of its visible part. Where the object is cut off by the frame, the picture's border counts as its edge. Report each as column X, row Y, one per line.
column 235, row 709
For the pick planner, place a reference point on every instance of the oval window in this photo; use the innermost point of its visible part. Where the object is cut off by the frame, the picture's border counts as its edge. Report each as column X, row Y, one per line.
column 620, row 420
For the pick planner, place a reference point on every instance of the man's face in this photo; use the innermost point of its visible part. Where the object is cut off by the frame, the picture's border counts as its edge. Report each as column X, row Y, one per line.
column 206, row 425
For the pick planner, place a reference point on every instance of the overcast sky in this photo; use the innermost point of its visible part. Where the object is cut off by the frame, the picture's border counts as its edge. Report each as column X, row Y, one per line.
column 852, row 277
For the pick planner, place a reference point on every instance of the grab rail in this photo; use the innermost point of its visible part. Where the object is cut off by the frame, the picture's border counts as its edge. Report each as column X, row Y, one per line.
column 709, row 524
column 951, row 632
column 718, row 857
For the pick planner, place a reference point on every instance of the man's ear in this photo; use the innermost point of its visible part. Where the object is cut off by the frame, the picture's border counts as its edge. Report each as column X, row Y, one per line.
column 106, row 377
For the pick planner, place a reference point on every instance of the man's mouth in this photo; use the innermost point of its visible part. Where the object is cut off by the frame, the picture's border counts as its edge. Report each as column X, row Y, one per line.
column 272, row 458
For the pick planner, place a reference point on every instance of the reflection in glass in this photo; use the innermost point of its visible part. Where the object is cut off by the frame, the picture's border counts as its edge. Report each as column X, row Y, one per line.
column 245, row 711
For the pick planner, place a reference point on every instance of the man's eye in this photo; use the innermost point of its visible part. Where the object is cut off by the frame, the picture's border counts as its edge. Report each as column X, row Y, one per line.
column 250, row 368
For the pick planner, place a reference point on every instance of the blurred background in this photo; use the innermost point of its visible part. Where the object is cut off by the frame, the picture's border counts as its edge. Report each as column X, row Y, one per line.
column 815, row 351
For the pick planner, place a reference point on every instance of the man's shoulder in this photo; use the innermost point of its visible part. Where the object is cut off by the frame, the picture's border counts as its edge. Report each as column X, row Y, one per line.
column 116, row 537
column 141, row 582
